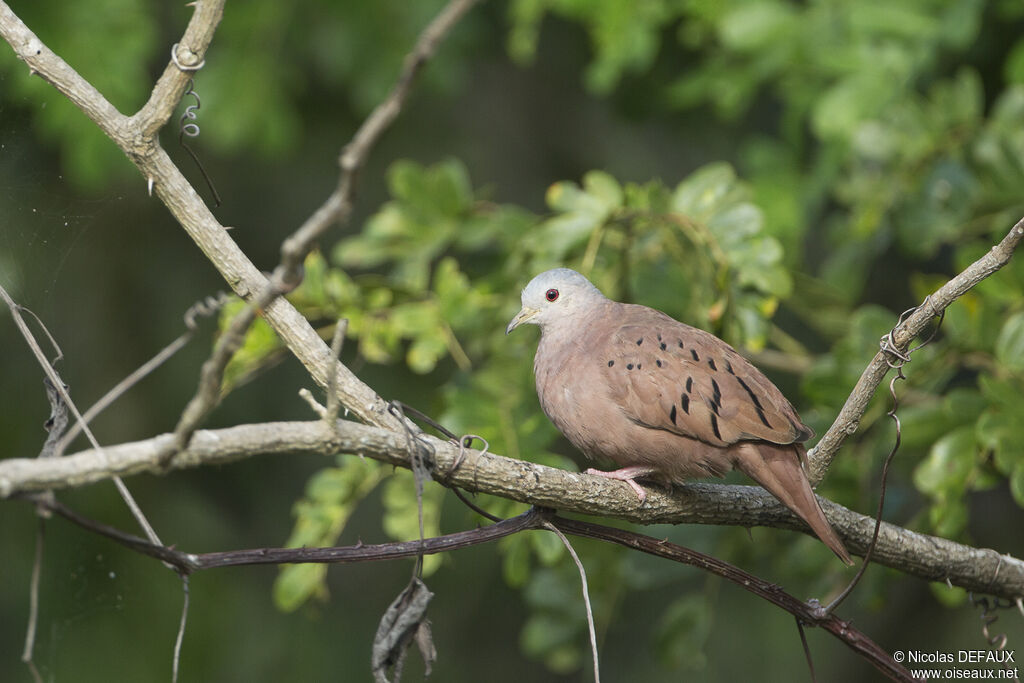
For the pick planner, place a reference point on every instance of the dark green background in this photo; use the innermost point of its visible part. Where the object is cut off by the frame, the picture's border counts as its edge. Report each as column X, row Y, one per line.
column 648, row 90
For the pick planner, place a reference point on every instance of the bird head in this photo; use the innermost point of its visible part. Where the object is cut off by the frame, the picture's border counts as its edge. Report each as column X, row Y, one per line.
column 555, row 295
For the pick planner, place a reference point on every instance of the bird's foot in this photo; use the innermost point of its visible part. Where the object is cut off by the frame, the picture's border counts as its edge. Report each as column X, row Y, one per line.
column 628, row 475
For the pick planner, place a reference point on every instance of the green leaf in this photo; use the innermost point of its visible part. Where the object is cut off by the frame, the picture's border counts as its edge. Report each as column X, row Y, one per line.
column 842, row 107
column 604, row 188
column 259, row 348
column 332, row 494
column 948, row 517
column 752, row 26
column 1010, row 344
column 551, row 638
column 297, row 583
column 1013, row 67
column 515, row 563
column 705, row 190
column 944, row 472
column 949, row 596
column 401, row 512
column 548, row 547
column 425, row 351
column 1002, row 432
column 1017, row 484
column 682, row 632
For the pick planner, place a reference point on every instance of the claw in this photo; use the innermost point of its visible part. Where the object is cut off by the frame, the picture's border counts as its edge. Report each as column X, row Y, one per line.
column 628, row 475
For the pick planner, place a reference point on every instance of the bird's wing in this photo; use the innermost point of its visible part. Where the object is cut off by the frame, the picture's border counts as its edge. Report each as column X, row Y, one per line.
column 667, row 375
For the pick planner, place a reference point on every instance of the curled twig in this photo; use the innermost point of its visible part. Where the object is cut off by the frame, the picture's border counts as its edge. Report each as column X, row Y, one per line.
column 897, row 361
column 845, row 424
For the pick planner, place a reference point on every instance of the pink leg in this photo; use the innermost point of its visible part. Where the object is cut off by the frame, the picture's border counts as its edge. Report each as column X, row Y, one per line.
column 628, row 475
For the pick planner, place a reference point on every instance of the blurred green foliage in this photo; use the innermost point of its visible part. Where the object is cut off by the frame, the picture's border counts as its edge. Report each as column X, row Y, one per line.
column 878, row 150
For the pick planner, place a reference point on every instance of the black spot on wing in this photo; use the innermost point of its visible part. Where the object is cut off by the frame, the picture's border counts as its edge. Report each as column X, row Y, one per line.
column 693, row 352
column 757, row 404
column 685, row 401
column 658, row 362
column 663, row 347
column 714, row 427
column 629, row 366
column 672, row 413
column 716, row 398
column 689, row 384
column 639, row 341
column 728, row 368
column 750, row 393
column 711, row 364
column 611, row 363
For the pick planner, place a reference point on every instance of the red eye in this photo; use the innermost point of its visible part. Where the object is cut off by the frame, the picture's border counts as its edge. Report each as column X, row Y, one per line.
column 551, row 294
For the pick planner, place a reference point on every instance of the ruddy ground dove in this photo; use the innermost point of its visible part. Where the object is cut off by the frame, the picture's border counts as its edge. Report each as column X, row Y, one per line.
column 661, row 399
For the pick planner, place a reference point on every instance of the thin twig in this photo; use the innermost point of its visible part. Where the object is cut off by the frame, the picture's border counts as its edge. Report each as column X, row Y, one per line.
column 307, row 396
column 338, row 207
column 845, row 424
column 586, row 595
column 808, row 612
column 807, row 649
column 59, row 386
column 171, row 86
column 118, row 390
column 333, row 404
column 881, row 501
column 181, row 628
column 33, row 601
column 136, row 137
column 208, row 395
column 898, row 361
column 205, row 307
column 294, row 249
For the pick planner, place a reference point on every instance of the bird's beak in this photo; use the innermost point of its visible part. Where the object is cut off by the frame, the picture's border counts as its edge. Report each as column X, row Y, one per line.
column 521, row 317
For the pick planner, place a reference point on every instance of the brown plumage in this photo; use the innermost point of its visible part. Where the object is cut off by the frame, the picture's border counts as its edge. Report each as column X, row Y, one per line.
column 662, row 399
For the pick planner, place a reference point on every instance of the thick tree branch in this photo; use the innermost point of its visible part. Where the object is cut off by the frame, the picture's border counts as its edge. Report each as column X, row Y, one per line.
column 820, row 457
column 928, row 557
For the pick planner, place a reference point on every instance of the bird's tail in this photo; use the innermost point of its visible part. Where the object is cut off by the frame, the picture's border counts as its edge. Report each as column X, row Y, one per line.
column 779, row 469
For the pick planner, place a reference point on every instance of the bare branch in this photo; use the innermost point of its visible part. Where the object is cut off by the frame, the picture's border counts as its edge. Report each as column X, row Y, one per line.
column 205, row 308
column 820, row 457
column 339, row 205
column 809, row 612
column 806, row 612
column 187, row 207
column 928, row 557
column 207, row 395
column 61, row 389
column 171, row 85
column 188, row 563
